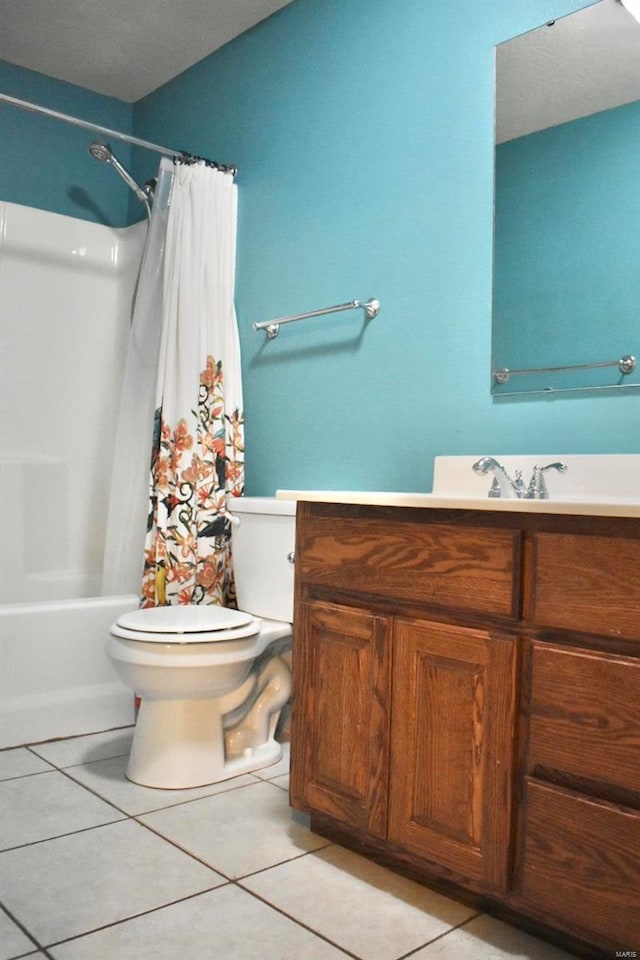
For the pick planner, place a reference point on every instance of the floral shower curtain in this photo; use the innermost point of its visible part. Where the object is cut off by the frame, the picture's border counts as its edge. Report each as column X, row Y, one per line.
column 198, row 444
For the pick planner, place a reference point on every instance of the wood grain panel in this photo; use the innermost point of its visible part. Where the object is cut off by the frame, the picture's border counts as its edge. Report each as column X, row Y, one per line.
column 452, row 745
column 587, row 584
column 471, row 569
column 340, row 714
column 585, row 715
column 442, row 685
column 581, row 862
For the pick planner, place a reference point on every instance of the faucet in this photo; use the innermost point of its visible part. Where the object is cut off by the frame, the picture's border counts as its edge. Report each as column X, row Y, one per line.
column 504, row 486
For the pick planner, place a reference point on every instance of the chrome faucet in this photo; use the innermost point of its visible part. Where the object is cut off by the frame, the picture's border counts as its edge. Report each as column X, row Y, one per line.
column 504, row 486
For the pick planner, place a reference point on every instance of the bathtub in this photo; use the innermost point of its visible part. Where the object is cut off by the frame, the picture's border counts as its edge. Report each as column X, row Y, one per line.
column 55, row 680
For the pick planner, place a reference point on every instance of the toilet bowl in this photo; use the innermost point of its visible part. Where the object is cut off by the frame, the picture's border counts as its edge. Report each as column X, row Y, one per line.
column 213, row 681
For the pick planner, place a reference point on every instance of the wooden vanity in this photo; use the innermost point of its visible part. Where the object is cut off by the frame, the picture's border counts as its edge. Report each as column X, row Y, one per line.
column 466, row 706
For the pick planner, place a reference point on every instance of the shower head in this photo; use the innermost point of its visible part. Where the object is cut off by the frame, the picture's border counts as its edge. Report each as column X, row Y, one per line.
column 100, row 151
column 104, row 154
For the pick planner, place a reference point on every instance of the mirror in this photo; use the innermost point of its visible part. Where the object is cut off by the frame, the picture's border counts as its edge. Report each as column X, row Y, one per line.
column 566, row 289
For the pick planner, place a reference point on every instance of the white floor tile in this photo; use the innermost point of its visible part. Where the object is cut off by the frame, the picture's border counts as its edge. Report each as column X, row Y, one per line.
column 364, row 908
column 276, row 769
column 13, row 942
column 69, row 886
column 238, row 832
column 107, row 777
column 485, row 938
column 47, row 805
column 227, row 924
column 94, row 746
column 282, row 782
column 20, row 762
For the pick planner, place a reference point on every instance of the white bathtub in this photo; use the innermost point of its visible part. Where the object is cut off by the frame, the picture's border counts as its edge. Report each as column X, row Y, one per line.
column 55, row 680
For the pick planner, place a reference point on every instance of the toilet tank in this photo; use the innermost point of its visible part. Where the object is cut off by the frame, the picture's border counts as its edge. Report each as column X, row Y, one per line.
column 262, row 545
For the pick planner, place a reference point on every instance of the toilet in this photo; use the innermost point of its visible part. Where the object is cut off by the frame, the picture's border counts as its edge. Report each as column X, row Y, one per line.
column 213, row 681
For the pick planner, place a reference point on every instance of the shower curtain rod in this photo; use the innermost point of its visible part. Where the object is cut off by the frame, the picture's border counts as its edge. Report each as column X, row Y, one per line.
column 107, row 132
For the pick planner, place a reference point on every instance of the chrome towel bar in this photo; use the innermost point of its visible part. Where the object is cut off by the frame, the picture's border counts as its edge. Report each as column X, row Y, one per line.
column 272, row 327
column 625, row 364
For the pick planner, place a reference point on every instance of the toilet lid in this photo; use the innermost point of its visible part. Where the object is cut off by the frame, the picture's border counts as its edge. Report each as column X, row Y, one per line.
column 191, row 622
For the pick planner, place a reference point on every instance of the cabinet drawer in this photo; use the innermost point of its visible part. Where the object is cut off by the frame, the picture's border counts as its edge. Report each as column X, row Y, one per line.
column 587, row 583
column 581, row 863
column 585, row 715
column 472, row 569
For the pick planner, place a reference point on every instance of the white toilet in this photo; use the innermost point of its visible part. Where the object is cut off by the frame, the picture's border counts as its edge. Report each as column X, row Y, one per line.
column 212, row 680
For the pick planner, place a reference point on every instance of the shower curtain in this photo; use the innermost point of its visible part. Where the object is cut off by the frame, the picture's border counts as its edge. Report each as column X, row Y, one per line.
column 183, row 395
column 128, row 491
column 198, row 442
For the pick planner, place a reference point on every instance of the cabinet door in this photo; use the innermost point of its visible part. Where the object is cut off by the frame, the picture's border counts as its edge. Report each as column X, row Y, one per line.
column 340, row 714
column 452, row 747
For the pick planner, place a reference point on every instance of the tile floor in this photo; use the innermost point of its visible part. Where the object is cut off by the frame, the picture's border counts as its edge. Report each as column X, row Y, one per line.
column 96, row 868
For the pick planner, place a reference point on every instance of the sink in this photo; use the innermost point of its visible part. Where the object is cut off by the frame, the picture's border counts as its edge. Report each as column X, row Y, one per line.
column 590, row 478
column 593, row 485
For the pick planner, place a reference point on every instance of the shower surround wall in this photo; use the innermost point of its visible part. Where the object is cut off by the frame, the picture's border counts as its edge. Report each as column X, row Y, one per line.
column 66, row 289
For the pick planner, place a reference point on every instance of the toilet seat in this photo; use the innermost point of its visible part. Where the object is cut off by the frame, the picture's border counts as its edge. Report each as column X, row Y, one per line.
column 183, row 623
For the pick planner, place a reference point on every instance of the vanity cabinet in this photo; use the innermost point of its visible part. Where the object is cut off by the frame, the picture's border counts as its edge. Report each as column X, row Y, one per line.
column 466, row 706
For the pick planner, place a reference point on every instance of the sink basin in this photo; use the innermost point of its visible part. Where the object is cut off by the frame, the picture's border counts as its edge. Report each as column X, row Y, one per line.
column 590, row 478
column 593, row 485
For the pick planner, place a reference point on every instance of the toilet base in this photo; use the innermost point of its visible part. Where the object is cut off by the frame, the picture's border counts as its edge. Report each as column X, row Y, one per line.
column 179, row 744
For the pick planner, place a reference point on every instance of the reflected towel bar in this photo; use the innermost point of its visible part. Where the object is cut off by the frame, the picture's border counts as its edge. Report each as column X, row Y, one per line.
column 272, row 327
column 626, row 365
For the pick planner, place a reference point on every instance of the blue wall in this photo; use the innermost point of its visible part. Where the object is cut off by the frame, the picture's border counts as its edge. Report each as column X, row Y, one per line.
column 44, row 163
column 364, row 136
column 567, row 249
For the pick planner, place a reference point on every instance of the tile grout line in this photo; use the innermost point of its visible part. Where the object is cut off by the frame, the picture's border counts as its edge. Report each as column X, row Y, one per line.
column 62, row 836
column 23, row 929
column 32, row 744
column 235, row 880
column 136, row 916
column 177, row 846
column 441, row 936
column 143, row 813
column 299, row 923
column 280, row 863
column 125, row 815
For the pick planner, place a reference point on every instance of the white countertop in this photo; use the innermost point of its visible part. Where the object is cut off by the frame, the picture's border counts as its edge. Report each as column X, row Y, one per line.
column 617, row 507
column 591, row 485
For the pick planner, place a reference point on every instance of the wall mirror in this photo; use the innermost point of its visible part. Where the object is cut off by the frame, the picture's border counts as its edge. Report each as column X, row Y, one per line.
column 566, row 289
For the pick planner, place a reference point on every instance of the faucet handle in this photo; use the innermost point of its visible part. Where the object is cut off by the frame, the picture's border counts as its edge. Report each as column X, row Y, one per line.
column 537, row 486
column 518, row 484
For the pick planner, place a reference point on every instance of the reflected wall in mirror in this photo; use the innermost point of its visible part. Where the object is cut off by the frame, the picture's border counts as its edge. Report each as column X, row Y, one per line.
column 567, row 204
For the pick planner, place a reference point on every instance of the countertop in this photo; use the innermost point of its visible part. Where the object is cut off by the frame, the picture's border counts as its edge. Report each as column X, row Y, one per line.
column 615, row 507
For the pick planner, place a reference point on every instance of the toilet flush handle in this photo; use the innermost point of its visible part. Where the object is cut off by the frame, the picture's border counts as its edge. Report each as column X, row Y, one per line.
column 291, row 557
column 231, row 517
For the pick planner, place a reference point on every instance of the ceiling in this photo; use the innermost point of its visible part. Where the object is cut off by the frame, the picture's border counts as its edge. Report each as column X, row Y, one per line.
column 121, row 48
column 575, row 66
column 584, row 63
